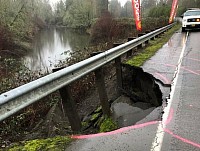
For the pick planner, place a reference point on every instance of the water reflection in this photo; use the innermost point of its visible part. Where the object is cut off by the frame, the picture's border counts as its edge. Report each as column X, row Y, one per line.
column 53, row 45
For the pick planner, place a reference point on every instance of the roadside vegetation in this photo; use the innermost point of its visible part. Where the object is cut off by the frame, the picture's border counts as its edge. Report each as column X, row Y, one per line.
column 19, row 21
column 152, row 48
column 50, row 144
column 108, row 125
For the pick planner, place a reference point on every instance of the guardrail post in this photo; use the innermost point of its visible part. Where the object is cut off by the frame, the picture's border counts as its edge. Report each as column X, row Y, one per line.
column 119, row 74
column 69, row 107
column 157, row 36
column 139, row 35
column 153, row 38
column 147, row 42
column 129, row 53
column 99, row 79
column 118, row 71
column 100, row 83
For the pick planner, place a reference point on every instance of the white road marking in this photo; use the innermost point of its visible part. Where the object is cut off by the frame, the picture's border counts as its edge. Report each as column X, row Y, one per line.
column 157, row 143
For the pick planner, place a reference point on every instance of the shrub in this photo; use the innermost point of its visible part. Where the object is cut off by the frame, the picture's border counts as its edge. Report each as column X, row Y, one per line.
column 5, row 38
column 162, row 10
column 102, row 29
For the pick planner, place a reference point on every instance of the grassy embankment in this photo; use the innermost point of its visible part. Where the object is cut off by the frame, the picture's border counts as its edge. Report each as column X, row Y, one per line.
column 152, row 48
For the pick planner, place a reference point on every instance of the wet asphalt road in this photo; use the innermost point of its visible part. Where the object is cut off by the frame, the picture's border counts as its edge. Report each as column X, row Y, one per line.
column 178, row 63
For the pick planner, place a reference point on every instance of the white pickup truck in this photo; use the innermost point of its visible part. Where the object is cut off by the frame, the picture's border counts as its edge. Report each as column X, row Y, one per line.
column 191, row 20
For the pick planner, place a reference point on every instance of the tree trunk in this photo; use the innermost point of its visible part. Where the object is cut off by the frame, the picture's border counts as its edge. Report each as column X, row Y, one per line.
column 102, row 7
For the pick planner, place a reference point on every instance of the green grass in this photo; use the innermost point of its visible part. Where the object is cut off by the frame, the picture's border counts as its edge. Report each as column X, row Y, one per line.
column 59, row 143
column 152, row 48
column 108, row 125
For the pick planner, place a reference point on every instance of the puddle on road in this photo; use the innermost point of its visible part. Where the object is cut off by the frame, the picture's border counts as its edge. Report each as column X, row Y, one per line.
column 126, row 115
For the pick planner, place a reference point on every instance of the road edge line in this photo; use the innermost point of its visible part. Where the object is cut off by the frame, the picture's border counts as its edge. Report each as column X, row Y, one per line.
column 157, row 143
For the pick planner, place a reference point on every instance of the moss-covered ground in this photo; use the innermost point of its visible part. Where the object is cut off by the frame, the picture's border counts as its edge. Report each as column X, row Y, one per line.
column 108, row 125
column 58, row 143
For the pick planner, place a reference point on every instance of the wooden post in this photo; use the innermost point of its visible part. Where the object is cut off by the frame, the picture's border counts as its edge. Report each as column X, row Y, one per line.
column 139, row 35
column 147, row 42
column 100, row 83
column 157, row 36
column 70, row 107
column 153, row 38
column 99, row 79
column 118, row 72
column 129, row 53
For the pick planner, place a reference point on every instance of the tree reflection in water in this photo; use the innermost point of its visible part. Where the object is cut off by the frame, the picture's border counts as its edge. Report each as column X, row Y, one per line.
column 53, row 45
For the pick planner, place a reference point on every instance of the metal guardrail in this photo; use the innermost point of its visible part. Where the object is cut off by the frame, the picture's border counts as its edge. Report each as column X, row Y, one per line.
column 25, row 95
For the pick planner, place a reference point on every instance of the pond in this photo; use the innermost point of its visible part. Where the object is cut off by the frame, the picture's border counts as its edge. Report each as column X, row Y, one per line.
column 53, row 45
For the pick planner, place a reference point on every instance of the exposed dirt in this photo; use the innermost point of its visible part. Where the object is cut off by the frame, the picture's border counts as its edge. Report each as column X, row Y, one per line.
column 140, row 86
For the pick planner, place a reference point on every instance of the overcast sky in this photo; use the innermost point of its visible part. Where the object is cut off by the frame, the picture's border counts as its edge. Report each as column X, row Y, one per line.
column 123, row 2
